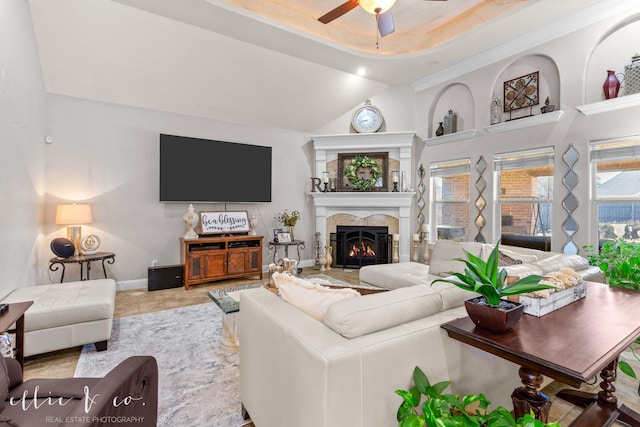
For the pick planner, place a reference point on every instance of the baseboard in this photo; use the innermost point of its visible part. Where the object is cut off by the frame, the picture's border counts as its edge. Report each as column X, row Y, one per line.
column 129, row 285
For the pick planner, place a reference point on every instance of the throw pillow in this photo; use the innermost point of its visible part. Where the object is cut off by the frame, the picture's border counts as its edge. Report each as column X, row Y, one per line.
column 442, row 261
column 309, row 297
column 504, row 260
column 523, row 258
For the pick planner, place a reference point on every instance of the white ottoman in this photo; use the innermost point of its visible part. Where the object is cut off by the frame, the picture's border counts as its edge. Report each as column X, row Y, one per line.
column 67, row 314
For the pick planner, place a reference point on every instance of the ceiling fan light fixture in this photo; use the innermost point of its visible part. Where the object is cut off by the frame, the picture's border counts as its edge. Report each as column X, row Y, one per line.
column 376, row 7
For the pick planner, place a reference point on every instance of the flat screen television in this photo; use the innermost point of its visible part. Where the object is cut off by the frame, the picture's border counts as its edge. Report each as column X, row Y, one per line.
column 203, row 170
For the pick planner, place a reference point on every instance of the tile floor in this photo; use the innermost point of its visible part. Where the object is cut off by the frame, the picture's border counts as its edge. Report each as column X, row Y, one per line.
column 61, row 364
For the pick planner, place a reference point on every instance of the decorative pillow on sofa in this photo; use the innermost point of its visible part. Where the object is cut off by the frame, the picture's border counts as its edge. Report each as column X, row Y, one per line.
column 309, row 297
column 504, row 260
column 523, row 258
column 559, row 261
column 378, row 312
column 442, row 261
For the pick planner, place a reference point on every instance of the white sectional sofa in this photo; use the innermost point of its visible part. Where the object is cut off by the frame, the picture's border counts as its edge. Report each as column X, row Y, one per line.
column 524, row 262
column 343, row 371
column 66, row 315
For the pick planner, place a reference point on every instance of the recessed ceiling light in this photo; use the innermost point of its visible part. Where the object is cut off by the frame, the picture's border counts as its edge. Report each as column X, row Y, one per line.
column 361, row 72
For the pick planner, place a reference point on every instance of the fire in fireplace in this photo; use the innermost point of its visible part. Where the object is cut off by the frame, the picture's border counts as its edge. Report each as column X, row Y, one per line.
column 357, row 246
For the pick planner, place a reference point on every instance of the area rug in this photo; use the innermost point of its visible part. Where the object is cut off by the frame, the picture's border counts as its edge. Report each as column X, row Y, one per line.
column 198, row 381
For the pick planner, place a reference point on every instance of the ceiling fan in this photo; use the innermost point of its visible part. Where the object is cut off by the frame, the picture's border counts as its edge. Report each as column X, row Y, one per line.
column 380, row 8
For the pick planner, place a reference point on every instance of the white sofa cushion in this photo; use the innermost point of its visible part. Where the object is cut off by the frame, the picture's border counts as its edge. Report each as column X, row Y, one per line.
column 557, row 262
column 310, row 297
column 396, row 275
column 384, row 310
column 442, row 261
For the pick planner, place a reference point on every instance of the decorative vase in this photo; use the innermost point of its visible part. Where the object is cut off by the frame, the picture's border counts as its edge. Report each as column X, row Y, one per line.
column 253, row 221
column 611, row 85
column 440, row 130
column 290, row 228
column 450, row 123
column 190, row 219
column 632, row 76
column 328, row 257
column 494, row 319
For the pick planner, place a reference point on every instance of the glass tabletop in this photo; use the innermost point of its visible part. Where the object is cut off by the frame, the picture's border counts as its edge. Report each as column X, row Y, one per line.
column 228, row 299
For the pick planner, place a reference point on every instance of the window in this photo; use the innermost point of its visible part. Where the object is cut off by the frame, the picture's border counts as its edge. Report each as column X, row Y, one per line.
column 616, row 186
column 525, row 191
column 450, row 184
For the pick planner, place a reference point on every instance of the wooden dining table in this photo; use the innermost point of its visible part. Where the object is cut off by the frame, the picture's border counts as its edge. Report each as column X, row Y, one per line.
column 573, row 345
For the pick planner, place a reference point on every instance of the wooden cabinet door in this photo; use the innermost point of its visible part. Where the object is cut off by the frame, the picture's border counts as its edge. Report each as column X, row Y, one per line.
column 216, row 263
column 254, row 262
column 237, row 262
column 195, row 267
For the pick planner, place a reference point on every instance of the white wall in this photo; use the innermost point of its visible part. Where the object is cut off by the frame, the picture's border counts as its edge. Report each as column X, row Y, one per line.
column 578, row 58
column 108, row 156
column 22, row 102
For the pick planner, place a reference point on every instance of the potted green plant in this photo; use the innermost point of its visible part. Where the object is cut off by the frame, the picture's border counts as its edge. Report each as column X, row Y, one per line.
column 619, row 261
column 289, row 220
column 489, row 310
column 448, row 410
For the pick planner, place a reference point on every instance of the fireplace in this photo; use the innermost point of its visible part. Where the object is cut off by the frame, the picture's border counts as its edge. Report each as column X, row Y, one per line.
column 365, row 206
column 357, row 246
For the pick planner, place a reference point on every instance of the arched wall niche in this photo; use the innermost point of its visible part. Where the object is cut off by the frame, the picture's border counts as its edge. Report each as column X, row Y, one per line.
column 548, row 85
column 612, row 52
column 456, row 97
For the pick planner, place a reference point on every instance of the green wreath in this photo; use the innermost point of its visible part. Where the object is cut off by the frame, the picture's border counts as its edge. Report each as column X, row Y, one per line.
column 360, row 183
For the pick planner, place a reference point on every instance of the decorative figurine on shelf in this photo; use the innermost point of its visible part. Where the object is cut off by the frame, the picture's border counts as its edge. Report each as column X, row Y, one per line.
column 315, row 184
column 190, row 219
column 89, row 244
column 253, row 221
column 496, row 111
column 547, row 108
column 440, row 130
column 450, row 123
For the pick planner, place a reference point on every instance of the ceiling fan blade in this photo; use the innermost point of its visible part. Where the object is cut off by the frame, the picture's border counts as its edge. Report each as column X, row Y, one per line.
column 385, row 23
column 338, row 11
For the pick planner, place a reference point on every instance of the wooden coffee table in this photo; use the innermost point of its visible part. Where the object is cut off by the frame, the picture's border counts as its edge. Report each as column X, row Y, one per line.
column 572, row 345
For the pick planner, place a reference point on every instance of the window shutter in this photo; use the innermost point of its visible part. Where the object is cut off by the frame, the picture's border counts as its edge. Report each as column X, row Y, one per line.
column 523, row 159
column 452, row 168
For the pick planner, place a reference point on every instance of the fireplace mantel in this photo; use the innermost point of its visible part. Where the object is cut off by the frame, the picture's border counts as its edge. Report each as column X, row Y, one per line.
column 400, row 146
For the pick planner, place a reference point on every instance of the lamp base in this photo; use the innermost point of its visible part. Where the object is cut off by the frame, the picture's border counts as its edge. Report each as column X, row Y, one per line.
column 74, row 233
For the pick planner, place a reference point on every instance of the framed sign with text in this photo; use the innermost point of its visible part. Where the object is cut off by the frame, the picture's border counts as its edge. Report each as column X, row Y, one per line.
column 224, row 222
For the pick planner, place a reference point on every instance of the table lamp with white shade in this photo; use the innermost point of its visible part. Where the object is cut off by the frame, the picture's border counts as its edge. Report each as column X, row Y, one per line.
column 73, row 215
